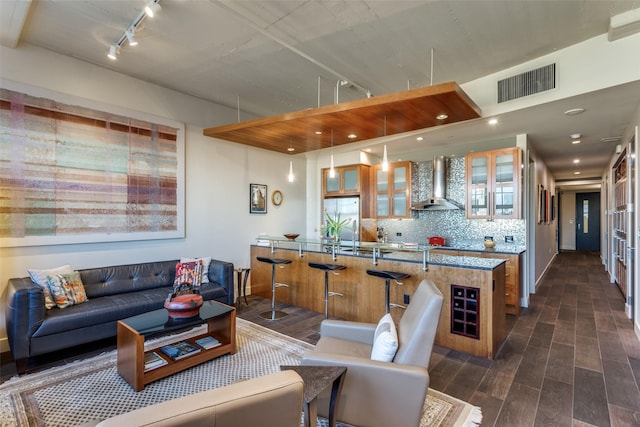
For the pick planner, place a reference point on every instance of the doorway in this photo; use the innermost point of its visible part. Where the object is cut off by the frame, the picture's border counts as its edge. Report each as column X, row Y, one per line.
column 588, row 221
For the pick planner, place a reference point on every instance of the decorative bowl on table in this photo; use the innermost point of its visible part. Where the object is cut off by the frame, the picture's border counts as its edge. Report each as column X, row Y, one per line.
column 291, row 236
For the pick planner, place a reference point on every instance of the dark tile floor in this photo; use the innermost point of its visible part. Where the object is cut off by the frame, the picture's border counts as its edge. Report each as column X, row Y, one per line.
column 571, row 358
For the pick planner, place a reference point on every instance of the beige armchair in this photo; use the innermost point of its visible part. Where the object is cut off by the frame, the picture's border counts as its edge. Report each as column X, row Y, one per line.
column 382, row 393
column 273, row 400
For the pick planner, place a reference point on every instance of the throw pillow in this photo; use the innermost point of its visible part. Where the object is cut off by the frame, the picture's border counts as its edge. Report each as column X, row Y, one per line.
column 385, row 340
column 188, row 275
column 39, row 277
column 67, row 289
column 205, row 266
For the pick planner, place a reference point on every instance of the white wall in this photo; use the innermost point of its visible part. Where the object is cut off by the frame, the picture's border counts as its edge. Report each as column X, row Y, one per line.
column 218, row 173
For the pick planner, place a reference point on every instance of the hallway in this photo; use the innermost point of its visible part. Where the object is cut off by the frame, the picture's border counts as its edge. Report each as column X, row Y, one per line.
column 571, row 358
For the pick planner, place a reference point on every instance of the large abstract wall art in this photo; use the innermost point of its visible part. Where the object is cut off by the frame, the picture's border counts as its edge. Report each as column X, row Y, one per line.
column 74, row 174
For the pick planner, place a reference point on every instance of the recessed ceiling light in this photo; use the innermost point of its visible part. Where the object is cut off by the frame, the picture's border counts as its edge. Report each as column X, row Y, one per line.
column 575, row 136
column 441, row 116
column 574, row 111
column 576, row 161
column 290, row 149
column 352, row 136
column 576, row 173
column 419, row 138
column 318, row 132
column 576, row 141
column 368, row 150
column 493, row 122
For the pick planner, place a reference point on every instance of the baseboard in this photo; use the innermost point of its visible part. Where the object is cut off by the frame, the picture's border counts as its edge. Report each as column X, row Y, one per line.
column 546, row 269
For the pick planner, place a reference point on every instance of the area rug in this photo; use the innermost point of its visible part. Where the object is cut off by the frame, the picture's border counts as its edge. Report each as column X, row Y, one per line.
column 91, row 389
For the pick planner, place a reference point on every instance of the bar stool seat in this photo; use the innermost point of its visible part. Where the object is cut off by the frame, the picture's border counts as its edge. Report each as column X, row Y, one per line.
column 388, row 276
column 274, row 314
column 327, row 268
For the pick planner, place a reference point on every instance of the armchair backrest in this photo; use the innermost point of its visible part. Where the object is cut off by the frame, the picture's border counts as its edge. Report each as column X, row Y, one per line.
column 418, row 325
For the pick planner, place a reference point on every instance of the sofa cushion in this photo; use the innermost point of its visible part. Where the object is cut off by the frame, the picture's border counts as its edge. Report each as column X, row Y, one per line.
column 39, row 277
column 385, row 340
column 104, row 281
column 67, row 289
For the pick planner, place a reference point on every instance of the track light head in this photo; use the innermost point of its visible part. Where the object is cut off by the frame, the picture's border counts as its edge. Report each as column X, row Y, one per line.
column 113, row 52
column 152, row 8
column 130, row 37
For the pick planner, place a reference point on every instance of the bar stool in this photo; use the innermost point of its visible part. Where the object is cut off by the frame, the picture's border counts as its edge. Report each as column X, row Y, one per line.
column 387, row 276
column 327, row 268
column 242, row 285
column 274, row 314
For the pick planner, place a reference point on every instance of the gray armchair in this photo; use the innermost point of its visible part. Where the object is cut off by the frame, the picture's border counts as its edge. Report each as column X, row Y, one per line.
column 382, row 393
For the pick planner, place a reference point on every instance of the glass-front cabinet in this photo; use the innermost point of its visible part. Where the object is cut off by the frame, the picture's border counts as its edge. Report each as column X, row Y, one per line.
column 392, row 189
column 493, row 184
column 347, row 181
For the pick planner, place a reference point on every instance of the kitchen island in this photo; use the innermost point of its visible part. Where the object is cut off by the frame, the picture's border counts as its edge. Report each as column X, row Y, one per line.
column 473, row 313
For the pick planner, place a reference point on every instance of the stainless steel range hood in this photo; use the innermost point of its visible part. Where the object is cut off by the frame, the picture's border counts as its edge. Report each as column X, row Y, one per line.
column 437, row 201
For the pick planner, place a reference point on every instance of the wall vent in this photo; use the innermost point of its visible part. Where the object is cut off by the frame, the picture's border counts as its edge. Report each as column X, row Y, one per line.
column 528, row 83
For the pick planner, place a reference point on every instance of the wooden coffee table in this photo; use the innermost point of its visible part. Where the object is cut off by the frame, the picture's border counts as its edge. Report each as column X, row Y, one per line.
column 316, row 379
column 132, row 331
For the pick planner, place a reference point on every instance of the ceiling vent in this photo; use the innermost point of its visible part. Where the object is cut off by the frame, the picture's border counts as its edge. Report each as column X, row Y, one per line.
column 528, row 83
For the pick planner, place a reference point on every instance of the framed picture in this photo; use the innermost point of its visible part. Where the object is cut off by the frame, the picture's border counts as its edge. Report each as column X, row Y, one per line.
column 257, row 198
column 541, row 204
column 553, row 207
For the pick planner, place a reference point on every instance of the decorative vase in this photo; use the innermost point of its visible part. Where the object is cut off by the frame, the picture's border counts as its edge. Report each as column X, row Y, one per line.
column 183, row 306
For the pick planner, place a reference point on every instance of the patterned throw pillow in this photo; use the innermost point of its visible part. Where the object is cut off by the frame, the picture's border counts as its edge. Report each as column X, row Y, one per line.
column 205, row 266
column 67, row 289
column 40, row 277
column 188, row 277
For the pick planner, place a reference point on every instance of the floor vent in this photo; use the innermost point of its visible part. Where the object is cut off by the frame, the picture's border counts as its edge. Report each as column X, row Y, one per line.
column 528, row 83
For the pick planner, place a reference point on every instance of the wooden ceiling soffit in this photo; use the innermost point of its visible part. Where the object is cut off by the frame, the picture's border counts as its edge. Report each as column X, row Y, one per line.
column 404, row 112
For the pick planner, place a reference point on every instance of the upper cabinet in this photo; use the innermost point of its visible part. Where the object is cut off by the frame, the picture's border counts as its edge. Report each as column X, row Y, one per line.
column 493, row 184
column 393, row 190
column 348, row 181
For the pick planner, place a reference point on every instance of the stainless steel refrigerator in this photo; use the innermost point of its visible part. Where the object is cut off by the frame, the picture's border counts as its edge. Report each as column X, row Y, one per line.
column 347, row 208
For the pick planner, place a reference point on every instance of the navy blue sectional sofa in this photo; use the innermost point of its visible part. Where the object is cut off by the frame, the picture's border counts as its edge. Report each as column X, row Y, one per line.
column 113, row 293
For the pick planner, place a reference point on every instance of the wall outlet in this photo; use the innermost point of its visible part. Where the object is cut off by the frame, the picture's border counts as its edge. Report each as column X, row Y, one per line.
column 398, row 234
column 508, row 239
column 406, row 298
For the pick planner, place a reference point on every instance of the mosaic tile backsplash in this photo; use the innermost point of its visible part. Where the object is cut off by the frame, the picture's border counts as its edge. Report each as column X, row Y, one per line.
column 450, row 224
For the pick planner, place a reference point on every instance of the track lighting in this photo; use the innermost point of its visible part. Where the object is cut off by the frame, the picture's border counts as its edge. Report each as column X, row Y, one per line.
column 129, row 34
column 113, row 52
column 152, row 8
column 130, row 37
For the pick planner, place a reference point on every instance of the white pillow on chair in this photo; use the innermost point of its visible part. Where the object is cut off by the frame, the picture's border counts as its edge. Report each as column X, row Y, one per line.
column 385, row 340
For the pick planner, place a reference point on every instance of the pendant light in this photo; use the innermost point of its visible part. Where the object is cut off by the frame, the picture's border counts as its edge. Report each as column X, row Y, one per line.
column 385, row 161
column 332, row 169
column 290, row 177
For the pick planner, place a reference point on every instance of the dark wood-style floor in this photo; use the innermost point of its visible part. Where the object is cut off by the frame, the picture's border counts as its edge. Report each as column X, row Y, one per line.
column 571, row 358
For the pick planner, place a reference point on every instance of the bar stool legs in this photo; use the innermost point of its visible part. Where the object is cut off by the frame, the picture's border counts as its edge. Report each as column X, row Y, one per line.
column 387, row 276
column 326, row 268
column 274, row 314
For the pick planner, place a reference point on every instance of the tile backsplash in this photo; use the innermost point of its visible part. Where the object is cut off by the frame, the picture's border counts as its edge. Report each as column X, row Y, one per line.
column 450, row 224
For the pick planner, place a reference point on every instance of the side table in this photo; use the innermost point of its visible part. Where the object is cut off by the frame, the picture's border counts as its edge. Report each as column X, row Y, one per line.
column 316, row 379
column 242, row 272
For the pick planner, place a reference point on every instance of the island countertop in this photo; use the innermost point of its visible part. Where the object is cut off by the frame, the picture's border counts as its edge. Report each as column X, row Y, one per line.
column 360, row 296
column 405, row 252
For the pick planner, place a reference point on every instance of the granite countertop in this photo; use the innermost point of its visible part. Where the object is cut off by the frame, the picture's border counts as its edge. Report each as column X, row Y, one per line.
column 397, row 255
column 499, row 248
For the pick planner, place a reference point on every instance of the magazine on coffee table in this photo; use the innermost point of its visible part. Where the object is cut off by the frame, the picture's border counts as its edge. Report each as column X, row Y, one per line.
column 208, row 342
column 180, row 350
column 153, row 360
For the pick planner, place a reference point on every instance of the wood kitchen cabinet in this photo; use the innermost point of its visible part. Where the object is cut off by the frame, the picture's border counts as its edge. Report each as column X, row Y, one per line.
column 393, row 190
column 512, row 280
column 494, row 184
column 352, row 180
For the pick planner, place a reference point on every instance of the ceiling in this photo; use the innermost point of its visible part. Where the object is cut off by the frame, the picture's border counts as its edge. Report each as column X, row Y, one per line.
column 266, row 58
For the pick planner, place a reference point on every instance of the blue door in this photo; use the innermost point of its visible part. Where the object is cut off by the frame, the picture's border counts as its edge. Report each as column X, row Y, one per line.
column 588, row 221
